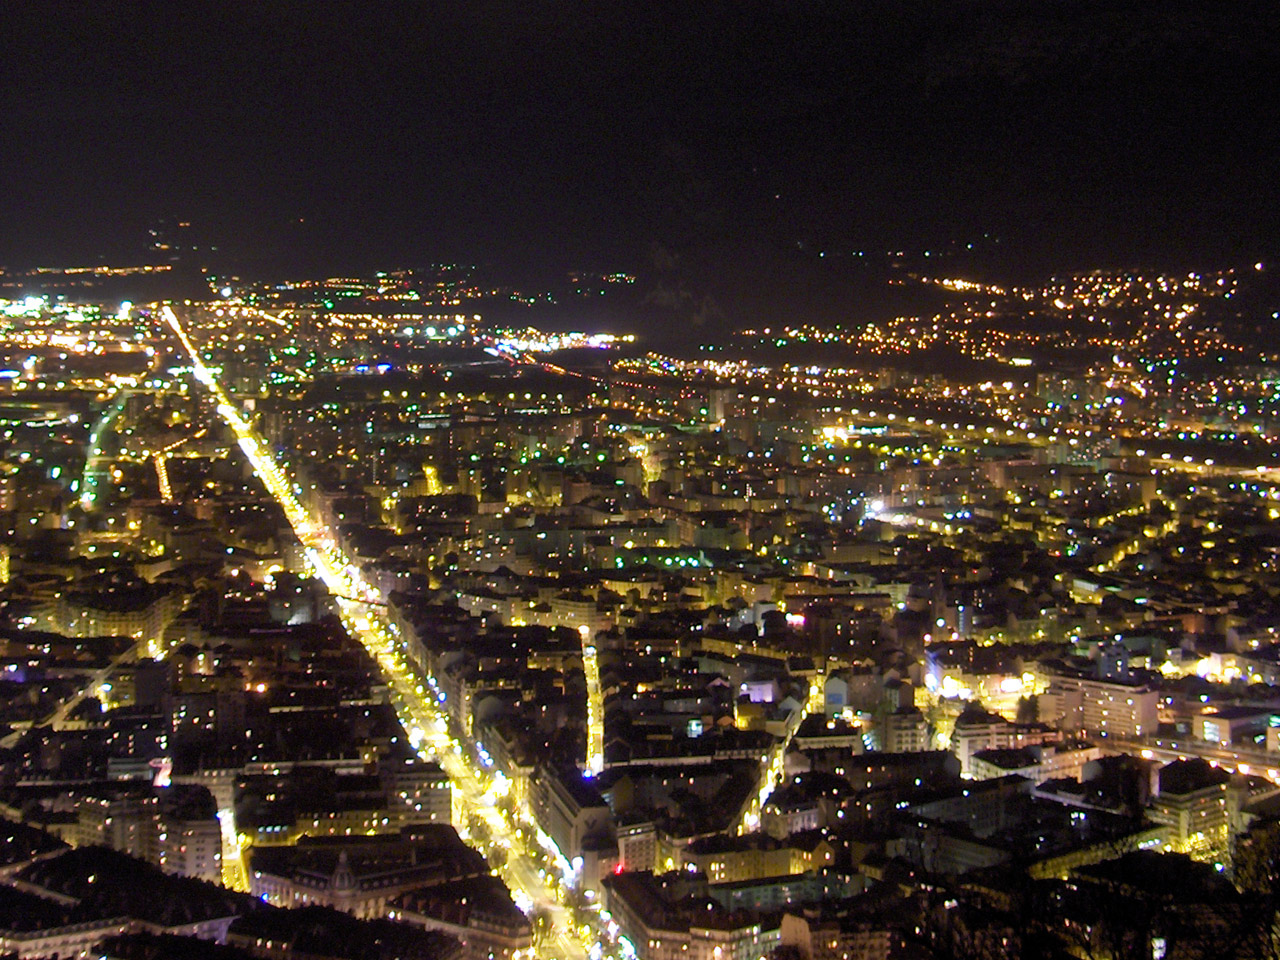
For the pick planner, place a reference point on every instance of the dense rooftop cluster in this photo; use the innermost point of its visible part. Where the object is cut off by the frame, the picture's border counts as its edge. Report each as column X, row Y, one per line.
column 448, row 640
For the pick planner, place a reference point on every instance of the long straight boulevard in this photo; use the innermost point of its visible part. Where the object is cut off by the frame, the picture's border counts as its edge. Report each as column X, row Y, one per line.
column 417, row 704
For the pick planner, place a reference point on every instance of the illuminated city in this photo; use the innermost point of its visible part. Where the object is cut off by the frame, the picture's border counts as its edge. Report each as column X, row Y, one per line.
column 516, row 484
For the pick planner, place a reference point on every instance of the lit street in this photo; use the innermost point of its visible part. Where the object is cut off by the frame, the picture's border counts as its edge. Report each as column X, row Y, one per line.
column 358, row 606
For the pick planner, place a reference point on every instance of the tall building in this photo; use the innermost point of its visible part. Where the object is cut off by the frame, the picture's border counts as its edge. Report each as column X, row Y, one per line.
column 1109, row 708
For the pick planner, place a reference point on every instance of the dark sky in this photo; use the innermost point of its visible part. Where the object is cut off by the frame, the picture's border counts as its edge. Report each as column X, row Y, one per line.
column 560, row 133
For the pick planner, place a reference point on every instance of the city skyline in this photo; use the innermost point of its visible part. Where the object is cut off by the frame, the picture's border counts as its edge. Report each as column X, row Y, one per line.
column 718, row 482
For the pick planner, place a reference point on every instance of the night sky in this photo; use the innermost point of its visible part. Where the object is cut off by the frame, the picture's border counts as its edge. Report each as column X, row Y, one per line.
column 734, row 135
